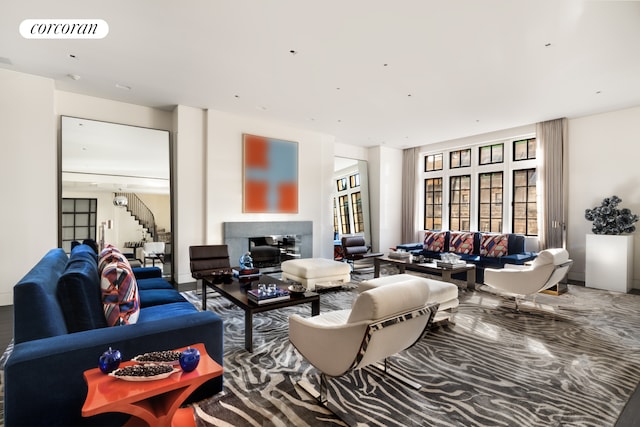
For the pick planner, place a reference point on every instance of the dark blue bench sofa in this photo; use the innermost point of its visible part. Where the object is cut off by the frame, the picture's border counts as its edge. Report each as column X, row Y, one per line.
column 60, row 331
column 492, row 250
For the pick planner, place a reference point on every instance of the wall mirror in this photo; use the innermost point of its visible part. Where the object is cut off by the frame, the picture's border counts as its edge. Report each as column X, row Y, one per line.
column 350, row 201
column 115, row 188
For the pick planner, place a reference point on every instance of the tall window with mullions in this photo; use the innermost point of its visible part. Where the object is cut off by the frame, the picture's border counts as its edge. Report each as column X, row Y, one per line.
column 78, row 221
column 460, row 203
column 525, row 206
column 490, row 202
column 343, row 205
column 358, row 217
column 433, row 204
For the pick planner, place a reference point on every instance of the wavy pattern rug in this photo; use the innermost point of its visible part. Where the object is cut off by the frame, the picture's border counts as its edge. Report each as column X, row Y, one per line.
column 569, row 360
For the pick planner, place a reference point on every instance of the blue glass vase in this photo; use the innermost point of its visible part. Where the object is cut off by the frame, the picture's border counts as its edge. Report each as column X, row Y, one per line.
column 246, row 262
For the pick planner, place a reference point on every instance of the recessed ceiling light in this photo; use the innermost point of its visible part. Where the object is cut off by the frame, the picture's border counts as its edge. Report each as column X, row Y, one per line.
column 293, row 52
column 73, row 56
column 385, row 65
column 598, row 92
column 73, row 76
column 262, row 107
column 236, row 96
column 123, row 87
column 547, row 45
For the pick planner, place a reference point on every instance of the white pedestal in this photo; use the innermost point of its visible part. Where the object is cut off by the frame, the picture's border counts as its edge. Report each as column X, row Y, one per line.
column 609, row 262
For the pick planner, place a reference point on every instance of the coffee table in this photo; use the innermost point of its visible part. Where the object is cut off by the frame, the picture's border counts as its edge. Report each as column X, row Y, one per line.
column 429, row 268
column 236, row 292
column 151, row 403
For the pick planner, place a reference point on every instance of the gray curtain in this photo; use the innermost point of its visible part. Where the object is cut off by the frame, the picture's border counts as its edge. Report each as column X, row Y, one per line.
column 409, row 182
column 551, row 139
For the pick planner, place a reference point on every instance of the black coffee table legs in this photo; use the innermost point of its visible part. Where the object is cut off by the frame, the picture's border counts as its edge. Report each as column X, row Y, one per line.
column 248, row 324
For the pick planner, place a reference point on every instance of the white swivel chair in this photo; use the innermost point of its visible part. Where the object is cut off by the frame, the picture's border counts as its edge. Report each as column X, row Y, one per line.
column 549, row 267
column 153, row 251
column 382, row 322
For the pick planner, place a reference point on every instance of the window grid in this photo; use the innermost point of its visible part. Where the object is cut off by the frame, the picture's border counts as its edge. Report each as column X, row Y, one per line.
column 524, row 149
column 343, row 202
column 433, row 162
column 358, row 217
column 460, row 203
column 78, row 220
column 354, row 180
column 525, row 208
column 342, row 184
column 460, row 158
column 490, row 202
column 491, row 154
column 433, row 203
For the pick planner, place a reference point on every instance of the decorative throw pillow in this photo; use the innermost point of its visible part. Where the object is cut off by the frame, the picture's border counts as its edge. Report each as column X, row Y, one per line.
column 461, row 243
column 494, row 245
column 120, row 299
column 111, row 254
column 434, row 241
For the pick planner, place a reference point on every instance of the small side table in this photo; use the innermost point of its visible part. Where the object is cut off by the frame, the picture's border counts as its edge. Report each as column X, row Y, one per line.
column 151, row 403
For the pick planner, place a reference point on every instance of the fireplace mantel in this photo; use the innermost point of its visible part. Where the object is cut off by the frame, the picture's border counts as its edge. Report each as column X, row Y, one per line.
column 236, row 235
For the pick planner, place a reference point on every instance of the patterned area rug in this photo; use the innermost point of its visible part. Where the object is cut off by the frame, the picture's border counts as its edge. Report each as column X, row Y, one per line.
column 569, row 360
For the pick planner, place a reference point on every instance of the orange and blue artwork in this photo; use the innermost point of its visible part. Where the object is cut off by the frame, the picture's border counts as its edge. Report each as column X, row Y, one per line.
column 270, row 175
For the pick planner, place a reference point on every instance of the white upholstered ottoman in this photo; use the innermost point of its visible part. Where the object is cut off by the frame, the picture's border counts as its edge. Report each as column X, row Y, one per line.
column 444, row 293
column 316, row 272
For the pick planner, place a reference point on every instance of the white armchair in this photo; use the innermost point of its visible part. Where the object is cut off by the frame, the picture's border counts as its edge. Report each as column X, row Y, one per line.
column 549, row 267
column 153, row 251
column 382, row 322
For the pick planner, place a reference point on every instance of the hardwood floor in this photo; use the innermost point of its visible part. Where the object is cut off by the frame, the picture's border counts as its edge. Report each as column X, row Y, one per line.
column 6, row 330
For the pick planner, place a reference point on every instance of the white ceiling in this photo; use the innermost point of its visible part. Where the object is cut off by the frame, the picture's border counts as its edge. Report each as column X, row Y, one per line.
column 396, row 73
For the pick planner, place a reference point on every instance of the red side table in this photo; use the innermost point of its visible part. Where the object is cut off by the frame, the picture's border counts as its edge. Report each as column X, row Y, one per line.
column 151, row 403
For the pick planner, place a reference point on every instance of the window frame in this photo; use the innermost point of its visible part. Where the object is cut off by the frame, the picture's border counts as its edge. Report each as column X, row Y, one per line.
column 491, row 202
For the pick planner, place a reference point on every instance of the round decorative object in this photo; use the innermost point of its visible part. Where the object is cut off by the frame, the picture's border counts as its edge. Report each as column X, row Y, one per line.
column 189, row 359
column 297, row 289
column 109, row 361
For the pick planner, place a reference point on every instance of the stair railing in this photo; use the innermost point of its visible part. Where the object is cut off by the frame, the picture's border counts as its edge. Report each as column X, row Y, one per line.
column 141, row 212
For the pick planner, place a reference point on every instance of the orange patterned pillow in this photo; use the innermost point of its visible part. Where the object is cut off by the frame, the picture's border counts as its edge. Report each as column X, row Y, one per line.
column 434, row 241
column 461, row 243
column 494, row 245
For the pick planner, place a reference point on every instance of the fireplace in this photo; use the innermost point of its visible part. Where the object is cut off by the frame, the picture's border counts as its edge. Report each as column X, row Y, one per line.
column 281, row 239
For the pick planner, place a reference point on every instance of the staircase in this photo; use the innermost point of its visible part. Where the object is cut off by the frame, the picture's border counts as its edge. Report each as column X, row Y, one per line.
column 143, row 215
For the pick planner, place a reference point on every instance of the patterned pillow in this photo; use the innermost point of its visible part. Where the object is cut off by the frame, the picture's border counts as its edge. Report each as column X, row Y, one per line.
column 494, row 245
column 110, row 254
column 461, row 243
column 120, row 299
column 434, row 241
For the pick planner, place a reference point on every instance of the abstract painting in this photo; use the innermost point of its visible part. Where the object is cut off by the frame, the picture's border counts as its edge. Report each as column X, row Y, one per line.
column 270, row 182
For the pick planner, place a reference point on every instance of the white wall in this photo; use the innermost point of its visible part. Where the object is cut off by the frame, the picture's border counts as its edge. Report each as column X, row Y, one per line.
column 603, row 161
column 27, row 171
column 385, row 188
column 224, row 177
column 189, row 186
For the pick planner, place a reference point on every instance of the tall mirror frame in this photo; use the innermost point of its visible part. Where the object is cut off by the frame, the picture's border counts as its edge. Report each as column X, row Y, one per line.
column 102, row 164
column 351, row 211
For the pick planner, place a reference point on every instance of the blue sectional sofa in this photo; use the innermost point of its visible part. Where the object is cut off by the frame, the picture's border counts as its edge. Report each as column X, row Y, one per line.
column 491, row 250
column 60, row 331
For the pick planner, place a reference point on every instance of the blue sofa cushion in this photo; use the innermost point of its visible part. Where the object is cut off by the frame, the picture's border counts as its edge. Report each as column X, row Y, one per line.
column 37, row 313
column 166, row 311
column 153, row 283
column 78, row 293
column 147, row 272
column 151, row 297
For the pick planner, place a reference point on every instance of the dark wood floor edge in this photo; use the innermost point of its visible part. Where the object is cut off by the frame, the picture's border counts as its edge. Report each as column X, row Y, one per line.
column 630, row 416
